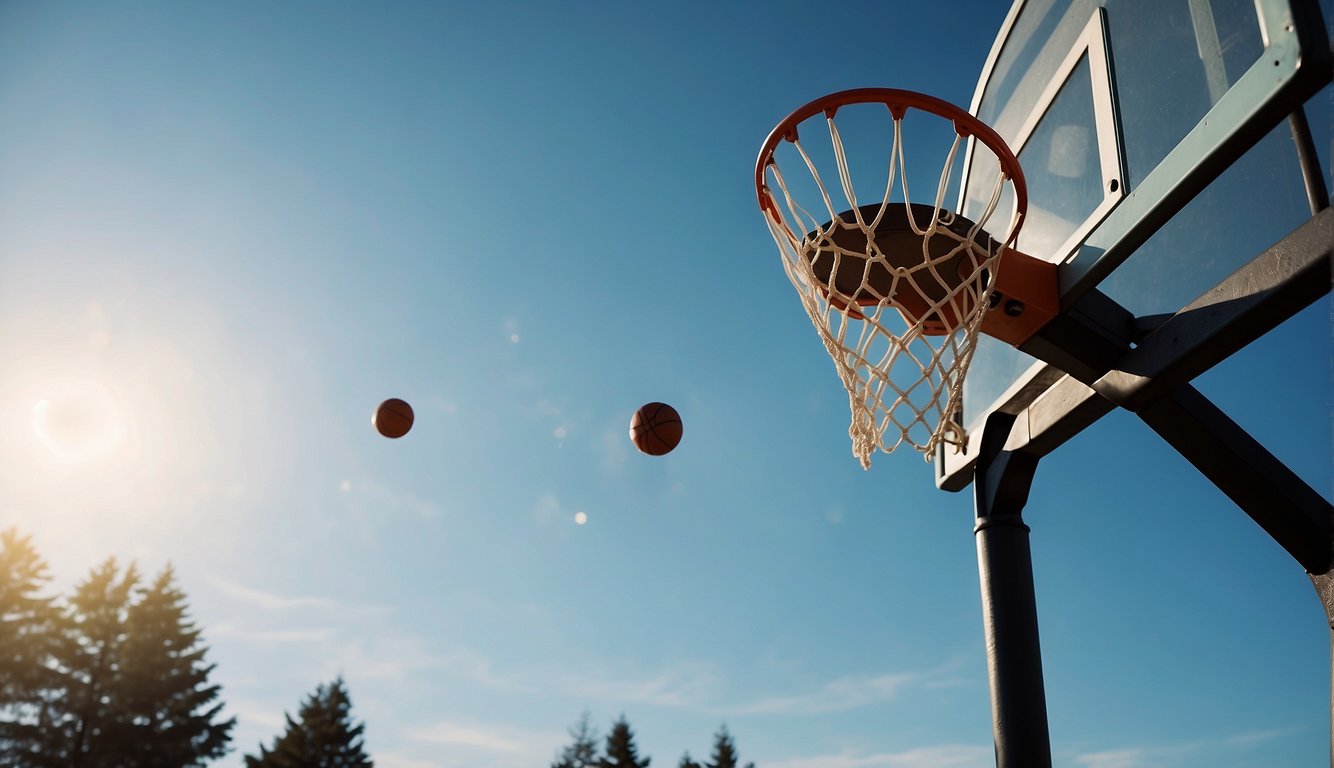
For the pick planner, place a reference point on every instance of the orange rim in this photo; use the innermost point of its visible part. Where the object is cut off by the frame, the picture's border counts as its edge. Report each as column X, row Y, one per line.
column 899, row 102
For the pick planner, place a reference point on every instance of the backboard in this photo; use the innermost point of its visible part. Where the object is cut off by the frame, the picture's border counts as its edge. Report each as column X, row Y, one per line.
column 1156, row 140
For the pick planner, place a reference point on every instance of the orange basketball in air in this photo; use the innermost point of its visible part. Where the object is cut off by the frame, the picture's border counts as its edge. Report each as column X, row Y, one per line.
column 656, row 428
column 393, row 418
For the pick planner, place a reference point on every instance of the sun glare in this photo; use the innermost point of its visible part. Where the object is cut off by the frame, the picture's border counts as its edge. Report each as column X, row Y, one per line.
column 119, row 417
column 78, row 424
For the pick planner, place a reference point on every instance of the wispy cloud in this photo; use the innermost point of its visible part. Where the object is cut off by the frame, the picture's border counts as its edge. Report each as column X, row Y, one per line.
column 843, row 693
column 471, row 743
column 272, row 636
column 338, row 636
column 454, row 734
column 402, row 656
column 267, row 600
column 934, row 756
column 272, row 601
column 1252, row 738
column 680, row 685
column 1127, row 757
column 255, row 714
column 396, row 760
column 702, row 687
column 1185, row 753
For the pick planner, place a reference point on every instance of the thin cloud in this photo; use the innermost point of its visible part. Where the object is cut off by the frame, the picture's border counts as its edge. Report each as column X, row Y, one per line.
column 456, row 735
column 396, row 760
column 934, row 756
column 1128, row 757
column 499, row 745
column 681, row 685
column 268, row 600
column 1184, row 753
column 256, row 715
column 353, row 637
column 400, row 657
column 701, row 687
column 272, row 636
column 844, row 693
column 271, row 601
column 1252, row 738
column 385, row 656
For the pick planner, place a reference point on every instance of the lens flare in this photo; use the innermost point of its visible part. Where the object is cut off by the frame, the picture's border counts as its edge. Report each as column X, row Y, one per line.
column 80, row 423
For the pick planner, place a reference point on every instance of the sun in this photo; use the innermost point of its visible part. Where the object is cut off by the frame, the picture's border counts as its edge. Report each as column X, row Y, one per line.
column 80, row 423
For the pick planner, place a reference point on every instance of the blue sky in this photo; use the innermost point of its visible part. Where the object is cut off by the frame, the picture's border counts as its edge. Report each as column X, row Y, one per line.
column 227, row 231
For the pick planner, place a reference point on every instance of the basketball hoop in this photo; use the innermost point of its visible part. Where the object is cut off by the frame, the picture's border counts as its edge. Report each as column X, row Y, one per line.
column 898, row 291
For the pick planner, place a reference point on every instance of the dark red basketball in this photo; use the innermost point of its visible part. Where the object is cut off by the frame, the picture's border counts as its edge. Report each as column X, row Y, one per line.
column 393, row 418
column 656, row 428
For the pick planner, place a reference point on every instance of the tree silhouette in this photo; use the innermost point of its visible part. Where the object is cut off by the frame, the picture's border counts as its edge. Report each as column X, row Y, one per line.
column 113, row 678
column 621, row 751
column 166, row 707
column 94, row 623
column 583, row 751
column 29, row 633
column 324, row 737
column 724, row 751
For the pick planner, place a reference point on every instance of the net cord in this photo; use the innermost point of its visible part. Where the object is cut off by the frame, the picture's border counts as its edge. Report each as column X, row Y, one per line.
column 903, row 385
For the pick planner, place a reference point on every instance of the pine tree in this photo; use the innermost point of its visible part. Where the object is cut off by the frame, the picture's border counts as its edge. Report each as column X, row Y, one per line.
column 95, row 627
column 166, row 712
column 325, row 737
column 29, row 633
column 114, row 678
column 724, row 751
column 621, row 751
column 583, row 752
column 686, row 762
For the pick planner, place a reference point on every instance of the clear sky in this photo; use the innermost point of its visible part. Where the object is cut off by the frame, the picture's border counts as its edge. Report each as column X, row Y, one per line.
column 229, row 230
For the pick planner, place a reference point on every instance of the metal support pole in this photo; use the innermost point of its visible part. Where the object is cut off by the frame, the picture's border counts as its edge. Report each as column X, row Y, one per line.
column 1009, row 607
column 1324, row 587
column 1316, row 193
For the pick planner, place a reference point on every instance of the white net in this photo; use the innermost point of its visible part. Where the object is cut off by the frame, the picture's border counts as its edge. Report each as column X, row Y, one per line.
column 896, row 291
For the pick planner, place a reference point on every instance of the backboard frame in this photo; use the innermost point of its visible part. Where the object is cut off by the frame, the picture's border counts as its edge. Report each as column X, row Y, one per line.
column 1092, row 44
column 1293, row 66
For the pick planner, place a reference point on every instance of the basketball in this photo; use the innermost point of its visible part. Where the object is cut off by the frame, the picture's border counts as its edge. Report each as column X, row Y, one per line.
column 393, row 418
column 656, row 428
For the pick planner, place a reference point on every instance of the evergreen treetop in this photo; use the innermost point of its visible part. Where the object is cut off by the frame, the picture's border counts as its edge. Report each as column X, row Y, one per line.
column 114, row 677
column 621, row 751
column 165, row 699
column 724, row 751
column 29, row 633
column 324, row 736
column 583, row 751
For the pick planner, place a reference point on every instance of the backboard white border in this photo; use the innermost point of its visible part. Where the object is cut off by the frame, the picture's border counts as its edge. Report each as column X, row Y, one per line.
column 1092, row 42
